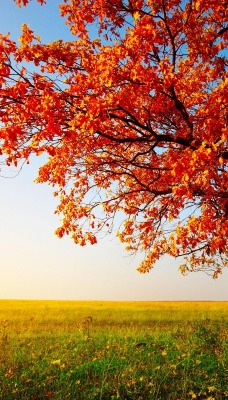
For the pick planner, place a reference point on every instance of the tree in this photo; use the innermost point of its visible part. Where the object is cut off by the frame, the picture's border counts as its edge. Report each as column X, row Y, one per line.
column 134, row 119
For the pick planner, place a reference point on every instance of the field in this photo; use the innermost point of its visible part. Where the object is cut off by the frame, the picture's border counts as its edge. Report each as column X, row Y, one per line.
column 69, row 350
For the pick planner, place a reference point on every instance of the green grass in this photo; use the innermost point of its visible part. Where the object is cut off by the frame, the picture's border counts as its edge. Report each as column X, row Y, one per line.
column 113, row 350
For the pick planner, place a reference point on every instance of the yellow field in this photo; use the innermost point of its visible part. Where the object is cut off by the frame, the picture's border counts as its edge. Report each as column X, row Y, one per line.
column 113, row 350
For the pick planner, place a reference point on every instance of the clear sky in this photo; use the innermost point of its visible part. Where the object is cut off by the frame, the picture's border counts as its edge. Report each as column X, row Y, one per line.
column 35, row 264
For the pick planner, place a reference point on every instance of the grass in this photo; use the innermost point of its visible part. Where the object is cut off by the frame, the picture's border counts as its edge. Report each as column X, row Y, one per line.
column 113, row 350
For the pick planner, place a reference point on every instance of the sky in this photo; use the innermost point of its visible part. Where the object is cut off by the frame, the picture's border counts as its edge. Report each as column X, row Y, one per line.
column 35, row 264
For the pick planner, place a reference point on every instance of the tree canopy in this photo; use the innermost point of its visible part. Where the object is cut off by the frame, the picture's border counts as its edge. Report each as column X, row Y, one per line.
column 133, row 115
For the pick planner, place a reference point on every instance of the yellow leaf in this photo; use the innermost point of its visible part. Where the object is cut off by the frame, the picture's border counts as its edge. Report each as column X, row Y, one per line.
column 136, row 15
column 197, row 4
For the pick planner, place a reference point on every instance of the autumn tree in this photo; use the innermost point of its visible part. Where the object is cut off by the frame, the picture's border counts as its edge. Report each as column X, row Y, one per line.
column 133, row 115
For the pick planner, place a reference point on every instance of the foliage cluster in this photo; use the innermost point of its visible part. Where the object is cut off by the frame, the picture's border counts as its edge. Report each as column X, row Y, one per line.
column 110, row 351
column 133, row 115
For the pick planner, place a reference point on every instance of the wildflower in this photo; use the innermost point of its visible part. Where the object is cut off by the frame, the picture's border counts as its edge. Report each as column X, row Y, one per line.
column 211, row 389
column 194, row 396
column 55, row 362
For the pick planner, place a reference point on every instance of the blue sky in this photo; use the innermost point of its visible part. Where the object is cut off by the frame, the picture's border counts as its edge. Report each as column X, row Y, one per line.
column 35, row 264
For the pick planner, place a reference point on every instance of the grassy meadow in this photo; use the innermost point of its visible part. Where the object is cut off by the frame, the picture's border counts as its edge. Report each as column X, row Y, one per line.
column 69, row 350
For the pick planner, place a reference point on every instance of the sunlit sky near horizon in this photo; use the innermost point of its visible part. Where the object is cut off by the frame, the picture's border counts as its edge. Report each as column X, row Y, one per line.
column 35, row 264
